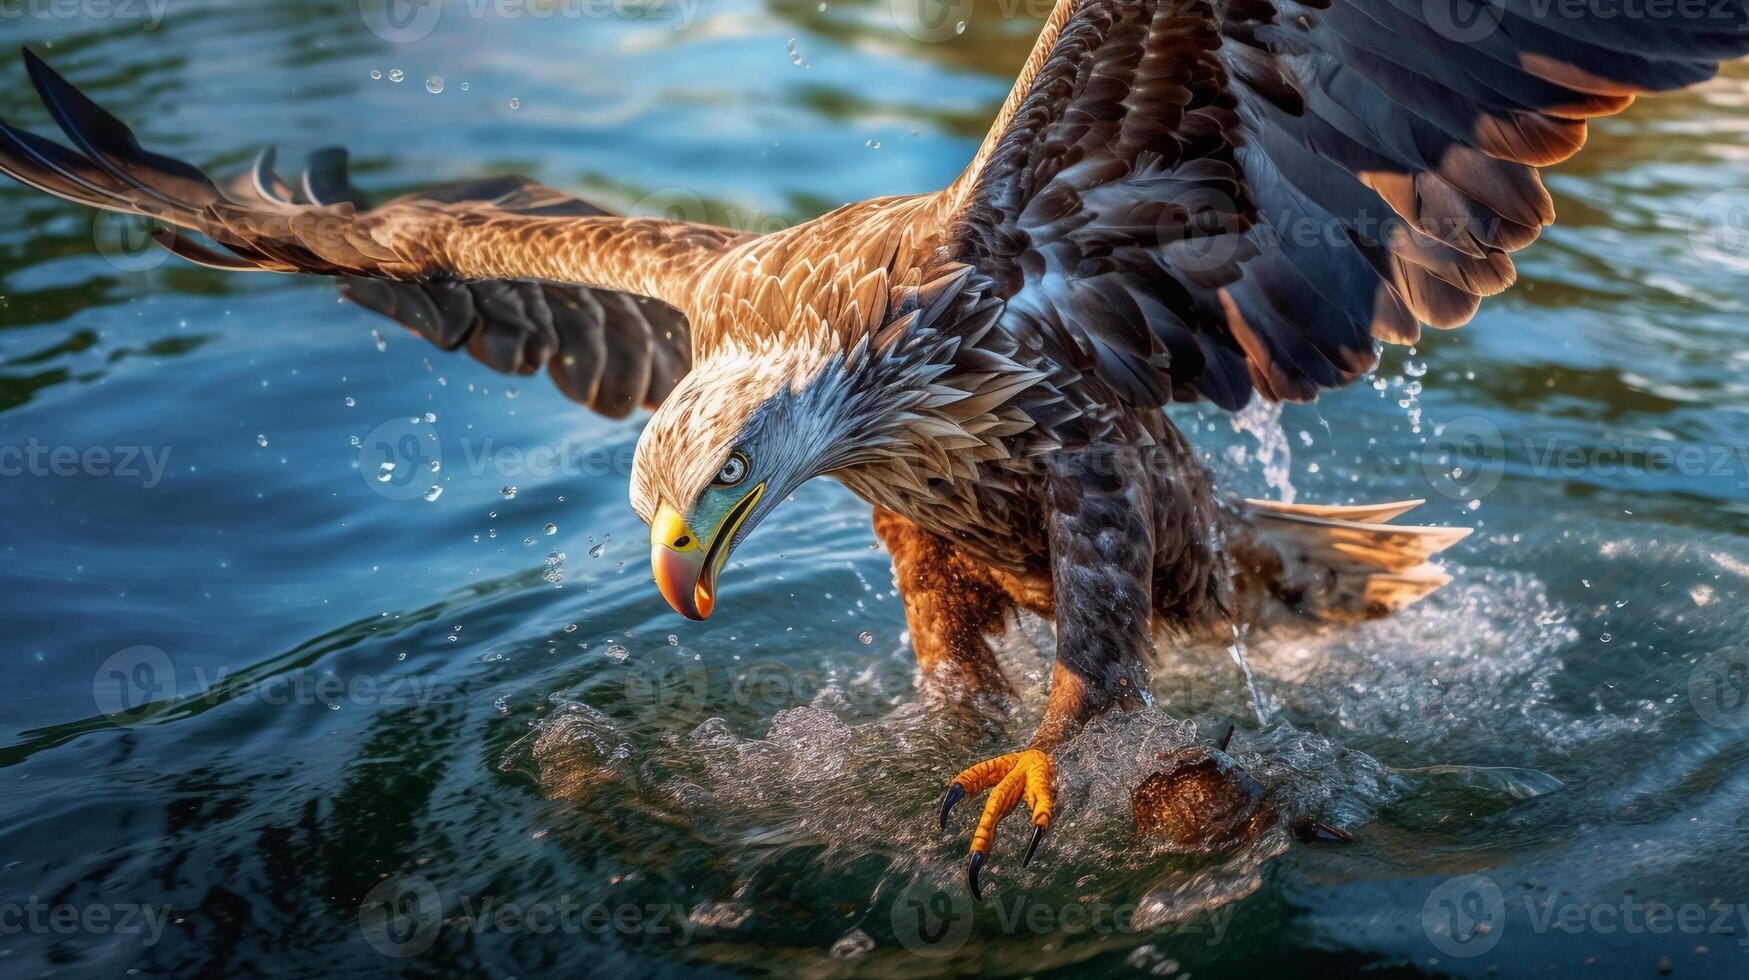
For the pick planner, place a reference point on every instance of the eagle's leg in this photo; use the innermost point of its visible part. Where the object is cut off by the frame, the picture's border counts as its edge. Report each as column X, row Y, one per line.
column 951, row 604
column 1102, row 558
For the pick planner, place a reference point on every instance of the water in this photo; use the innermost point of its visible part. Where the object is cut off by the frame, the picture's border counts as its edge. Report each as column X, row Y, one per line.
column 375, row 730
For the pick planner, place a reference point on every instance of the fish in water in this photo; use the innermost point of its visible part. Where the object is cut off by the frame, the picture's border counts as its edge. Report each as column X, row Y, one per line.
column 1202, row 801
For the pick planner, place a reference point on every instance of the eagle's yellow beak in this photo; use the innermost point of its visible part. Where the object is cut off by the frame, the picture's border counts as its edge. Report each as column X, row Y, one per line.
column 678, row 561
column 685, row 565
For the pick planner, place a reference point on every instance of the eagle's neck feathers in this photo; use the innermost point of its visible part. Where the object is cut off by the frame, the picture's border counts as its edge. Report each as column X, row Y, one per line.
column 882, row 349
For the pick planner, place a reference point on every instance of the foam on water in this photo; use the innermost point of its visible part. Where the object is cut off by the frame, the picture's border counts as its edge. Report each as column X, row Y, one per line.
column 832, row 786
column 1460, row 702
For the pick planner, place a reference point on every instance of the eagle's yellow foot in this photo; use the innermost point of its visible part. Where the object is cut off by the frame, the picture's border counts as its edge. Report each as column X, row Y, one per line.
column 1029, row 776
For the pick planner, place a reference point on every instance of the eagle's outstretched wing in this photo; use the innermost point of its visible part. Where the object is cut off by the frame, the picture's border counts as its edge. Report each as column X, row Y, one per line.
column 1202, row 197
column 521, row 275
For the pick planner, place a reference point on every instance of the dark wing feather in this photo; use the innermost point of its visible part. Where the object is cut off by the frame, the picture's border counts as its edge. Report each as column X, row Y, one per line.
column 1201, row 199
column 606, row 349
column 521, row 276
column 610, row 351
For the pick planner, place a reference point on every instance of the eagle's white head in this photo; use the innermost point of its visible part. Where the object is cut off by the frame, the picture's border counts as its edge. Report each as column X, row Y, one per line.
column 741, row 431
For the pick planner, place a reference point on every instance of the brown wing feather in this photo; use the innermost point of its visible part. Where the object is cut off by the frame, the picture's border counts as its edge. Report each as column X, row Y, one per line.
column 520, row 275
column 1196, row 198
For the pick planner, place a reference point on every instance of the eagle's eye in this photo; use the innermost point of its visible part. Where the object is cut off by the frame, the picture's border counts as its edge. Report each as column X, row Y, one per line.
column 733, row 471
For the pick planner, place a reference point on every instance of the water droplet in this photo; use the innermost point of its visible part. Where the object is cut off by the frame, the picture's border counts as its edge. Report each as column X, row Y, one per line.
column 377, row 337
column 351, row 402
column 873, row 144
column 509, row 493
column 261, row 440
column 464, row 86
column 515, row 103
column 528, row 540
column 865, row 637
column 959, row 28
column 551, row 528
column 437, row 466
column 616, row 653
column 597, row 551
column 356, row 442
column 673, row 640
column 434, row 85
column 376, row 75
column 434, row 493
column 396, row 75
column 430, row 416
column 452, row 638
column 570, row 627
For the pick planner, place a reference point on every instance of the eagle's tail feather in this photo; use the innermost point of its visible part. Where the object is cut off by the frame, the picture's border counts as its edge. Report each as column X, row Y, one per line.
column 1335, row 563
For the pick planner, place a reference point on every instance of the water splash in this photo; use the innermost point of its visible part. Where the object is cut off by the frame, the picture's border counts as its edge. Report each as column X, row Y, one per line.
column 1261, row 420
column 1237, row 651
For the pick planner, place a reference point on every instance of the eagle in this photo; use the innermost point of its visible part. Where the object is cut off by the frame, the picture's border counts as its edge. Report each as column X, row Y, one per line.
column 1181, row 200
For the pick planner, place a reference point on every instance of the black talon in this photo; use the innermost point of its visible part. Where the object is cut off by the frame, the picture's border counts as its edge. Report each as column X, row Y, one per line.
column 1226, row 738
column 955, row 793
column 1311, row 831
column 1038, row 834
column 972, row 874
